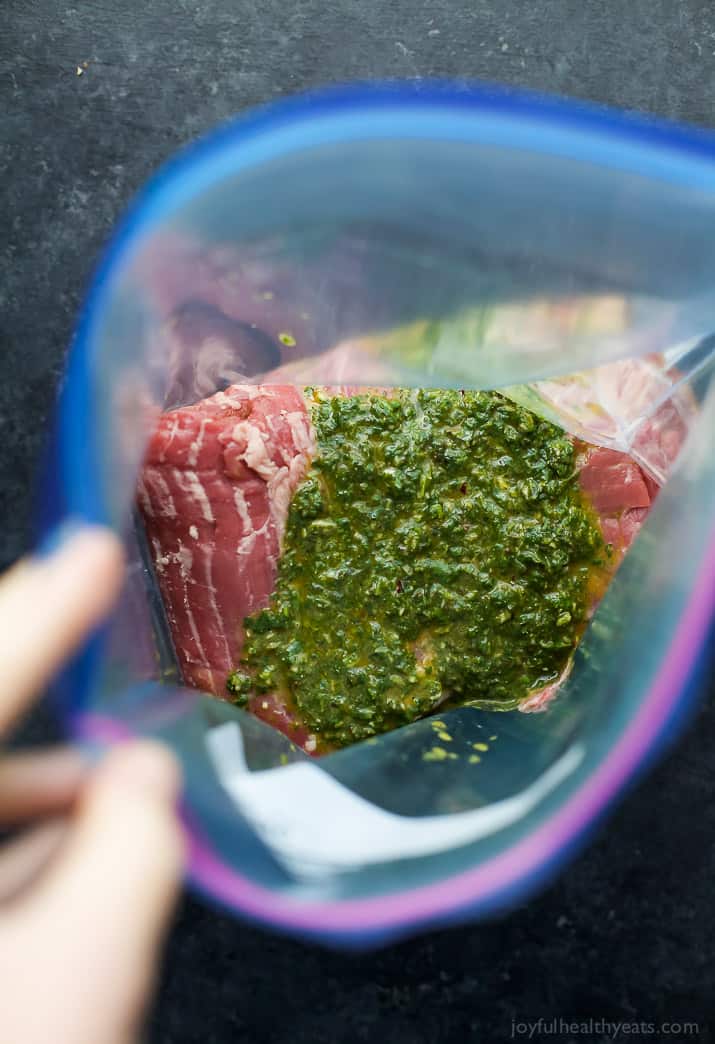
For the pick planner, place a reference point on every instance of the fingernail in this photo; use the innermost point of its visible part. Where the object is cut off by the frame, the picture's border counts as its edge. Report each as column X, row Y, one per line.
column 146, row 766
column 57, row 537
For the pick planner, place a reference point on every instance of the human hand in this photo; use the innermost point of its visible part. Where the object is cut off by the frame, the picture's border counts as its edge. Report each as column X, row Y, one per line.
column 87, row 889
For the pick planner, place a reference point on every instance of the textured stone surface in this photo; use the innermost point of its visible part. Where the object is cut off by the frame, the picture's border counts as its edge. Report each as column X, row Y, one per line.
column 627, row 931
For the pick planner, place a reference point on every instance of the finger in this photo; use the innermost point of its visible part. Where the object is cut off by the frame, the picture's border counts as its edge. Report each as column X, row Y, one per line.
column 21, row 861
column 106, row 903
column 47, row 605
column 40, row 782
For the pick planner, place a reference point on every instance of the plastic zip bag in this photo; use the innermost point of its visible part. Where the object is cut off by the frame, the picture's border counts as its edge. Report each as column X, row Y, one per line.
column 476, row 239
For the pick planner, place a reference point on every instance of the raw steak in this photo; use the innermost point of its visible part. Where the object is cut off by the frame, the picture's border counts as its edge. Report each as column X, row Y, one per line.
column 214, row 494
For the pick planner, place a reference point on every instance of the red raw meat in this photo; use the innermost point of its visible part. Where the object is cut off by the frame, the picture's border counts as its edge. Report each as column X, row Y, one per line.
column 612, row 481
column 620, row 492
column 214, row 493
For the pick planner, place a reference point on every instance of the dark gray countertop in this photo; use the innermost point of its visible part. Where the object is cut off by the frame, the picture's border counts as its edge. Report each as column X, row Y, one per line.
column 628, row 931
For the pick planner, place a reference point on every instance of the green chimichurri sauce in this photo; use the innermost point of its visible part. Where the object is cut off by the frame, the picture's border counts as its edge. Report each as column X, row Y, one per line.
column 438, row 548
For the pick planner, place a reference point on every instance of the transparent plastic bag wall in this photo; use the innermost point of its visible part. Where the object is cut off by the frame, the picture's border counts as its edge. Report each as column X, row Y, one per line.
column 450, row 256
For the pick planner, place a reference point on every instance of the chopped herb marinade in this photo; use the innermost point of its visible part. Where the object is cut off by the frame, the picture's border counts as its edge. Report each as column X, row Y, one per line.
column 439, row 549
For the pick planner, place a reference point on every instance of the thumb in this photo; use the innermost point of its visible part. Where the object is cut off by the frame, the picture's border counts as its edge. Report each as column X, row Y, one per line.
column 97, row 918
